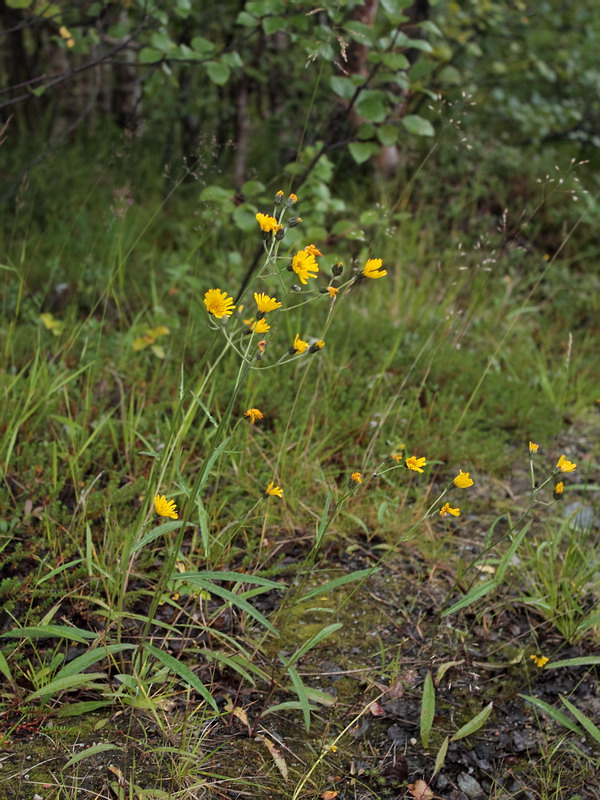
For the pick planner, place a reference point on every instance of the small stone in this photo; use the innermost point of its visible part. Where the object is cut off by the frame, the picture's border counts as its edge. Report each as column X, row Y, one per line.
column 37, row 797
column 469, row 786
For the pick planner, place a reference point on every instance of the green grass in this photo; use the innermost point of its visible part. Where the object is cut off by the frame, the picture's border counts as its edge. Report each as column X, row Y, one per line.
column 471, row 346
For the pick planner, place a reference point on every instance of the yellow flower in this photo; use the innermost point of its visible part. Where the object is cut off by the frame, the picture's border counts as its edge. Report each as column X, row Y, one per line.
column 356, row 477
column 304, row 264
column 312, row 250
column 415, row 463
column 165, row 508
column 267, row 223
column 260, row 326
column 266, row 303
column 463, row 480
column 318, row 345
column 539, row 661
column 558, row 490
column 333, row 290
column 397, row 457
column 565, row 466
column 299, row 346
column 533, row 447
column 446, row 509
column 218, row 303
column 279, row 197
column 372, row 269
column 253, row 414
column 293, row 198
column 262, row 346
column 274, row 491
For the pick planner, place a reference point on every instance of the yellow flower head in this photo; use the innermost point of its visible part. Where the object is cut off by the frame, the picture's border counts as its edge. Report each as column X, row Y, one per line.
column 262, row 346
column 304, row 265
column 260, row 326
column 372, row 269
column 267, row 223
column 299, row 346
column 539, row 661
column 293, row 198
column 356, row 477
column 446, row 509
column 218, row 303
column 565, row 466
column 397, row 457
column 558, row 490
column 164, row 507
column 266, row 303
column 332, row 290
column 463, row 480
column 312, row 250
column 279, row 197
column 253, row 414
column 416, row 464
column 533, row 447
column 318, row 345
column 274, row 491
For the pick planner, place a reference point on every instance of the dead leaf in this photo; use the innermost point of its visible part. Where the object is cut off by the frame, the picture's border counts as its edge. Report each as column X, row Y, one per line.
column 377, row 710
column 329, row 795
column 420, row 790
column 276, row 754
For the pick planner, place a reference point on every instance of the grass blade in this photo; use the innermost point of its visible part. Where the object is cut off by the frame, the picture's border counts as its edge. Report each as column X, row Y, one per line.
column 474, row 724
column 440, row 758
column 427, row 709
column 581, row 661
column 66, row 684
column 184, row 672
column 300, row 690
column 239, row 602
column 472, row 596
column 313, row 641
column 556, row 715
column 335, row 584
column 82, row 663
column 154, row 534
column 586, row 722
column 50, row 632
column 91, row 751
column 235, row 577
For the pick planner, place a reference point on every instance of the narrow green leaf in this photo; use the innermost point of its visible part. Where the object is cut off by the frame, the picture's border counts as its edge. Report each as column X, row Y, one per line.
column 330, row 586
column 67, row 684
column 440, row 758
column 50, row 632
column 82, row 663
column 90, row 751
column 289, row 704
column 554, row 713
column 313, row 641
column 580, row 661
column 585, row 721
column 56, row 571
column 184, row 672
column 235, row 577
column 322, row 698
column 79, row 709
column 155, row 533
column 5, row 669
column 473, row 725
column 427, row 710
column 472, row 596
column 239, row 602
column 322, row 525
column 300, row 690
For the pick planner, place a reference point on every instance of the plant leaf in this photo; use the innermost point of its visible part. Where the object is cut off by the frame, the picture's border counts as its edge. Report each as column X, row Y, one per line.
column 91, row 751
column 556, row 715
column 427, row 709
column 184, row 672
column 585, row 721
column 474, row 724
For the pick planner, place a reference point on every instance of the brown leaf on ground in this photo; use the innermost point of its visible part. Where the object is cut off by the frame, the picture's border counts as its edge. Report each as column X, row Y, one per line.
column 329, row 795
column 276, row 754
column 420, row 791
